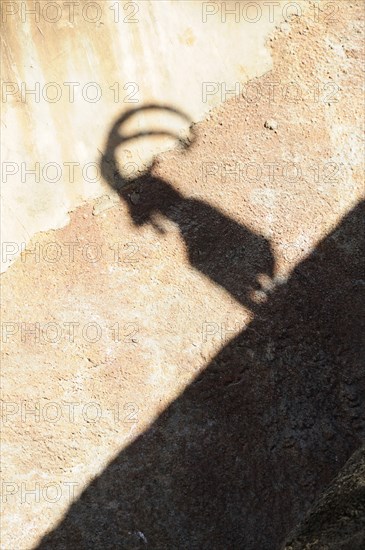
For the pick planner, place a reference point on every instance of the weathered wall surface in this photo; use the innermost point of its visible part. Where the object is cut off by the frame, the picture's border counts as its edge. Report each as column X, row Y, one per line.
column 337, row 519
column 89, row 61
column 196, row 382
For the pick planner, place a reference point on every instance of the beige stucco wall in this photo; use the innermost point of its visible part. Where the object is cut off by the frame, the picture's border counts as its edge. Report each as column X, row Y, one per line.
column 150, row 285
column 135, row 53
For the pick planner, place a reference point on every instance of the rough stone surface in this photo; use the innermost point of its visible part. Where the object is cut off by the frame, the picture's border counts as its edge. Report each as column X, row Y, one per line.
column 337, row 520
column 271, row 124
column 220, row 386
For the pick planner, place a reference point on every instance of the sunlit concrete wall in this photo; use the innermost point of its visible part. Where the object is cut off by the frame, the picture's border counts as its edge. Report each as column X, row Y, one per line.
column 71, row 68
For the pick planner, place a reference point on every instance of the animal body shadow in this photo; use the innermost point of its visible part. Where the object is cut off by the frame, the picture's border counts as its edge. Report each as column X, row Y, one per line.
column 240, row 456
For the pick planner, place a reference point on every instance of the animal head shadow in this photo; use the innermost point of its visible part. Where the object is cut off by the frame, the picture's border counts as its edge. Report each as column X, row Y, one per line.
column 231, row 254
column 117, row 137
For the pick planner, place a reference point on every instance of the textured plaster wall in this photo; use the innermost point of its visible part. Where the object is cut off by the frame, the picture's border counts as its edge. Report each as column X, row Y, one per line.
column 226, row 407
column 137, row 53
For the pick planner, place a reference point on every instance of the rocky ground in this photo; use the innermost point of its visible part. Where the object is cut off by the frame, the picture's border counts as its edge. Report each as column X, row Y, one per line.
column 337, row 520
column 182, row 364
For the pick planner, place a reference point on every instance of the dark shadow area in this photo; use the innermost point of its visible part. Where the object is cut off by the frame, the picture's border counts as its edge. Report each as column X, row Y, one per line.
column 238, row 459
column 337, row 518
